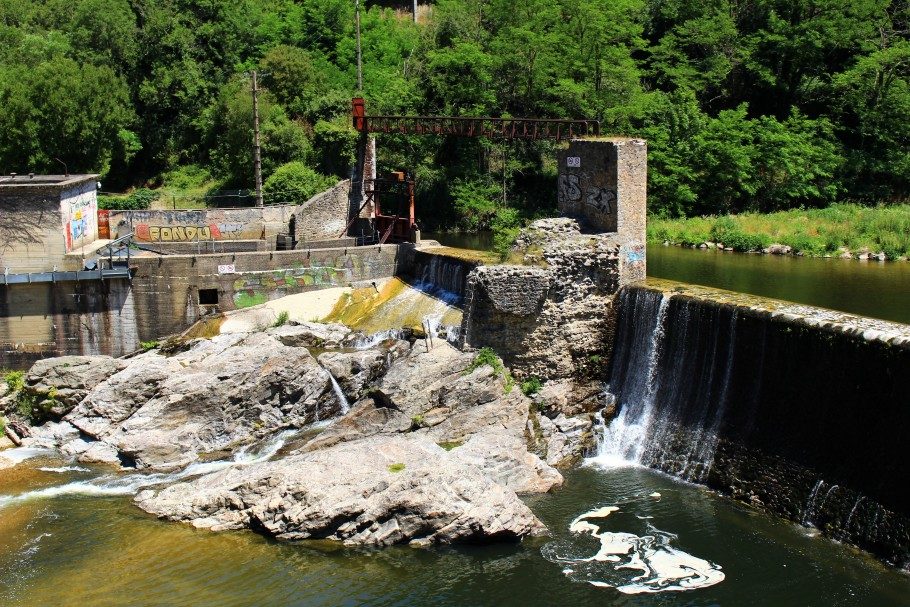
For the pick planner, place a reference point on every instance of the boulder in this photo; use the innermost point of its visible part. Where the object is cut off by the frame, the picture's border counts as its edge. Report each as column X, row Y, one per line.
column 67, row 379
column 311, row 335
column 162, row 412
column 375, row 492
column 356, row 371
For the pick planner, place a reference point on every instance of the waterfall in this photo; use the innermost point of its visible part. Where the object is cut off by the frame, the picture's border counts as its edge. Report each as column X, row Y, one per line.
column 623, row 440
column 339, row 394
column 672, row 373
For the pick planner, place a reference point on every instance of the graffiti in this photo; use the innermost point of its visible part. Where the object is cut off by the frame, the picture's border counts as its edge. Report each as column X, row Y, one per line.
column 635, row 254
column 80, row 217
column 601, row 199
column 568, row 188
column 177, row 233
column 254, row 288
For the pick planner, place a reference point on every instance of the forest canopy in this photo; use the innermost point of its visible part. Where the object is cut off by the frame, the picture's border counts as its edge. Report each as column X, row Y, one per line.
column 747, row 105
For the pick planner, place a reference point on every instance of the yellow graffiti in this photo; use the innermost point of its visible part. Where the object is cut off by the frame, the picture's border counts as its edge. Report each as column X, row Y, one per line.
column 179, row 233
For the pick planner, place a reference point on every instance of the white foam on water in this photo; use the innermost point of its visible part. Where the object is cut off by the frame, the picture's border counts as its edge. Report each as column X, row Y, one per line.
column 62, row 469
column 18, row 455
column 130, row 484
column 662, row 567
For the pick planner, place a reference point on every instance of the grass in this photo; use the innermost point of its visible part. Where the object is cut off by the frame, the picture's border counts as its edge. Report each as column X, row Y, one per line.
column 531, row 386
column 283, row 317
column 149, row 345
column 813, row 232
column 397, row 467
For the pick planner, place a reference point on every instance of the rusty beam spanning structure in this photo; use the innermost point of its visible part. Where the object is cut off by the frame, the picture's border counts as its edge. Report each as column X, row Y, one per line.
column 494, row 128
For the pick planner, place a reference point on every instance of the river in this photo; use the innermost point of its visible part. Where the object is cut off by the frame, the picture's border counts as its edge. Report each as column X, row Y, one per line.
column 73, row 546
column 868, row 288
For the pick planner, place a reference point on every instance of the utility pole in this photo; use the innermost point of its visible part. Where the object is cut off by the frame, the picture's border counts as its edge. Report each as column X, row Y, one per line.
column 359, row 64
column 257, row 157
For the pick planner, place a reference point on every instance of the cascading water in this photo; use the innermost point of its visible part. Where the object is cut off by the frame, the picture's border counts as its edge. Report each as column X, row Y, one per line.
column 623, row 440
column 339, row 394
column 129, row 484
column 671, row 397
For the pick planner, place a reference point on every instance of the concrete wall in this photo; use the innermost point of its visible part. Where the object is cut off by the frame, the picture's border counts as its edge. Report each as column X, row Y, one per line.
column 170, row 285
column 51, row 319
column 324, row 216
column 114, row 316
column 39, row 224
column 168, row 226
column 79, row 213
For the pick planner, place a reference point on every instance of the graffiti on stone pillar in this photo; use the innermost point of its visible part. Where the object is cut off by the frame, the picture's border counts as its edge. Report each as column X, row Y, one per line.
column 601, row 199
column 568, row 188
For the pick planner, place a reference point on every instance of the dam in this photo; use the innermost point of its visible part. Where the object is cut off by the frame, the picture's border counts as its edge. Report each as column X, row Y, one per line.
column 671, row 438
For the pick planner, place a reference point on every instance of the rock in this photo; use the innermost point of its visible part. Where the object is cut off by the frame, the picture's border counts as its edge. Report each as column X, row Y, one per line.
column 376, row 492
column 4, row 389
column 162, row 412
column 66, row 380
column 311, row 335
column 505, row 459
column 779, row 249
column 356, row 371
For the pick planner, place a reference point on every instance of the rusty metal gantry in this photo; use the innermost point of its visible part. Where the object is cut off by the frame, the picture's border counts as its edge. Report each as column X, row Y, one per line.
column 462, row 126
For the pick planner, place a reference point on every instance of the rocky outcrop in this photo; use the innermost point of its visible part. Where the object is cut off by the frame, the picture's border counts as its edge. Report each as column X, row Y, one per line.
column 162, row 412
column 377, row 492
column 356, row 371
column 433, row 450
column 66, row 380
column 312, row 335
column 551, row 317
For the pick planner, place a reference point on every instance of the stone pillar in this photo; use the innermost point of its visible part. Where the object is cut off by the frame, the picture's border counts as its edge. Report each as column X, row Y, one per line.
column 603, row 183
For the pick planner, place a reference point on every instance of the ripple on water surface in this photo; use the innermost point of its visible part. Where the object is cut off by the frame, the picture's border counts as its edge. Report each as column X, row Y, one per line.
column 75, row 549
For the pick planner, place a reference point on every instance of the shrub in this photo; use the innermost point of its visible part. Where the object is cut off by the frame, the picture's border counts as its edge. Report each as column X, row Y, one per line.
column 396, row 467
column 282, row 319
column 417, row 421
column 723, row 228
column 449, row 445
column 295, row 181
column 531, row 386
column 486, row 356
column 15, row 380
column 149, row 345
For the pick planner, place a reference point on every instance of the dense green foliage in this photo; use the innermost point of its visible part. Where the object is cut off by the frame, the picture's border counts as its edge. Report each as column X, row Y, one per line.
column 837, row 229
column 747, row 106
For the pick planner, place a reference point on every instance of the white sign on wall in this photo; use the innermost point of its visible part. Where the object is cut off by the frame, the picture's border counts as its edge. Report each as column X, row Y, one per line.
column 227, row 269
column 573, row 161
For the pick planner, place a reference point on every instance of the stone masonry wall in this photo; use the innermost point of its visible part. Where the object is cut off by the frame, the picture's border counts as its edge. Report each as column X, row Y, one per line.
column 550, row 319
column 603, row 183
column 324, row 216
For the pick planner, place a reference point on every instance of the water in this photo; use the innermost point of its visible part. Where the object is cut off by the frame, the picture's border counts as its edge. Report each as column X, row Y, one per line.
column 838, row 284
column 71, row 549
column 876, row 289
column 339, row 394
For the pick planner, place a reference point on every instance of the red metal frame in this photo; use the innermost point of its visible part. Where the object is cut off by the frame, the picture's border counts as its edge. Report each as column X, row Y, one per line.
column 396, row 190
column 504, row 128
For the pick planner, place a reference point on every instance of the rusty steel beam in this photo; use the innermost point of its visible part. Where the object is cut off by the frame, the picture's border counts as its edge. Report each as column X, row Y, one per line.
column 494, row 128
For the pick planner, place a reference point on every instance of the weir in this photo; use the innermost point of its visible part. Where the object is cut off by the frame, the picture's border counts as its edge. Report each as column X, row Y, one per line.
column 794, row 409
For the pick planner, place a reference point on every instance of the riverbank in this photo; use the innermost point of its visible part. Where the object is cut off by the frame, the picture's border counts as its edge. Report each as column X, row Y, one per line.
column 841, row 230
